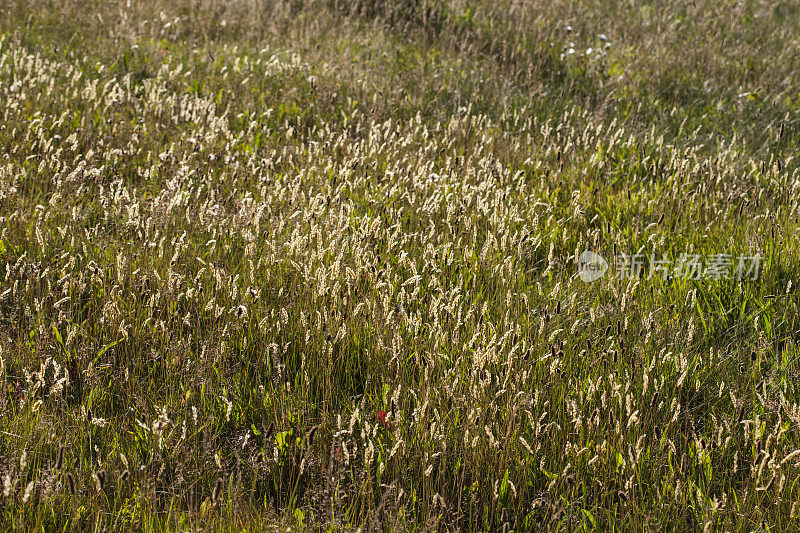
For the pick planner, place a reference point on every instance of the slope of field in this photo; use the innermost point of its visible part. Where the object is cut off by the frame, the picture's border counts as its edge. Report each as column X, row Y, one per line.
column 315, row 264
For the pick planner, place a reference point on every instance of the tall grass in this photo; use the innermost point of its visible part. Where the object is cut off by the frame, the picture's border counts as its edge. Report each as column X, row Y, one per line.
column 314, row 264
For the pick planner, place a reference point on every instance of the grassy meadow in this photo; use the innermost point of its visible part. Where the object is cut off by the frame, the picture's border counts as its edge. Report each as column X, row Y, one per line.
column 313, row 265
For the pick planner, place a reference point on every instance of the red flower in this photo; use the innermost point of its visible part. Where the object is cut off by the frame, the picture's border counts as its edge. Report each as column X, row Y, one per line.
column 382, row 418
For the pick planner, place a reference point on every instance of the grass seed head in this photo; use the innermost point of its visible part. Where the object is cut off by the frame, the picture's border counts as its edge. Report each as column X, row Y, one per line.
column 72, row 484
column 60, row 458
column 217, row 492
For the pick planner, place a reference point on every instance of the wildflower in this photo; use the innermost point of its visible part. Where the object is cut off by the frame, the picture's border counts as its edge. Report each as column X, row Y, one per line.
column 382, row 418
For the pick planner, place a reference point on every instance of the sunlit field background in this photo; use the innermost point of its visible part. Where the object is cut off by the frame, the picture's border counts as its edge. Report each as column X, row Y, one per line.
column 313, row 264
